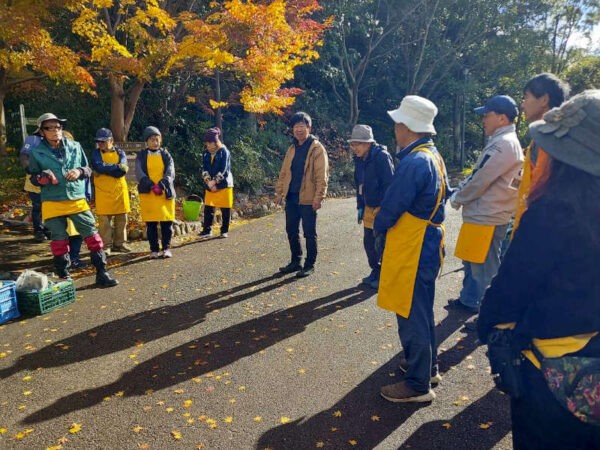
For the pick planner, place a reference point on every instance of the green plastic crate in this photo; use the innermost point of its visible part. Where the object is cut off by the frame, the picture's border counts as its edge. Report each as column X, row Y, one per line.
column 41, row 302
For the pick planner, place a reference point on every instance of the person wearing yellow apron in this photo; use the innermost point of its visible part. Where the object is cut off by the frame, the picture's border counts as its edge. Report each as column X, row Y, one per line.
column 549, row 286
column 541, row 93
column 155, row 171
column 489, row 199
column 373, row 172
column 111, row 193
column 216, row 173
column 410, row 218
column 60, row 167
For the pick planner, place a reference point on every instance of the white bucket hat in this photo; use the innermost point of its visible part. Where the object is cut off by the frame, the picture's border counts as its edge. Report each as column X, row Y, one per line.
column 361, row 133
column 45, row 117
column 417, row 113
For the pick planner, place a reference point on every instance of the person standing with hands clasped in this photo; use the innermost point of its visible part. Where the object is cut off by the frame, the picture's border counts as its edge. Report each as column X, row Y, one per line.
column 411, row 217
column 155, row 171
column 216, row 173
column 60, row 167
column 489, row 199
column 112, row 195
column 373, row 172
column 303, row 184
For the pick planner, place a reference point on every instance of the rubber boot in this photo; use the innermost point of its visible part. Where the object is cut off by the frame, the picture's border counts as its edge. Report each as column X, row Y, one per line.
column 103, row 278
column 62, row 264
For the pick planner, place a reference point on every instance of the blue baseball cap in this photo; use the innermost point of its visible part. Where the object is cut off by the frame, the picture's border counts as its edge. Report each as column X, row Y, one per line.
column 103, row 135
column 501, row 104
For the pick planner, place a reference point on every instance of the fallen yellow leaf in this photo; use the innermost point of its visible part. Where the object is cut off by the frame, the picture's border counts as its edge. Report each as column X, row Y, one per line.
column 447, row 425
column 485, row 426
column 352, row 442
column 320, row 444
column 27, row 378
column 176, row 434
column 74, row 428
column 55, row 447
column 285, row 420
column 187, row 403
column 337, row 413
column 375, row 418
column 27, row 393
column 257, row 418
column 228, row 419
column 137, row 429
column 3, row 430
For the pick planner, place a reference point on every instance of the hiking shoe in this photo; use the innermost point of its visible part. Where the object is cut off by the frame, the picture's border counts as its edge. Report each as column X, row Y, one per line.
column 167, row 253
column 224, row 235
column 39, row 236
column 305, row 271
column 78, row 264
column 294, row 266
column 457, row 304
column 205, row 234
column 401, row 393
column 436, row 378
column 123, row 248
column 154, row 255
column 105, row 280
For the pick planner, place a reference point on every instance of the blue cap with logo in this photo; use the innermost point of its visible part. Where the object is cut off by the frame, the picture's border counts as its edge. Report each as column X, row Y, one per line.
column 501, row 104
column 103, row 134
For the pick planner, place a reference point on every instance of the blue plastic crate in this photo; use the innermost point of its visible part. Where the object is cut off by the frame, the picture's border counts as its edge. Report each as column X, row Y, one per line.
column 8, row 301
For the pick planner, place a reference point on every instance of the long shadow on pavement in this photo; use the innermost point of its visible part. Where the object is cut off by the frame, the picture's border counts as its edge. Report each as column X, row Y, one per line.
column 207, row 353
column 144, row 326
column 479, row 426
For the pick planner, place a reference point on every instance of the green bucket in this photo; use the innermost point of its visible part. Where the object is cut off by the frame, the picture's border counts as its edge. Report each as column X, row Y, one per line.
column 191, row 208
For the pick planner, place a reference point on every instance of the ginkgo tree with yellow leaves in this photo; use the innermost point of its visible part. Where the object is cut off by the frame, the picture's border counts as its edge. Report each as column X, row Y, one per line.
column 29, row 53
column 130, row 43
column 260, row 43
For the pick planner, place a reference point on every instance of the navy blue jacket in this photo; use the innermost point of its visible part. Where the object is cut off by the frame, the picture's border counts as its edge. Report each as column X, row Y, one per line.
column 219, row 169
column 414, row 189
column 374, row 174
column 108, row 169
column 145, row 183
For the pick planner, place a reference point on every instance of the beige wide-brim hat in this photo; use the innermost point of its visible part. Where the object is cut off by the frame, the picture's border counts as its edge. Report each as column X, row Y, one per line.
column 417, row 113
column 361, row 133
column 571, row 132
column 45, row 117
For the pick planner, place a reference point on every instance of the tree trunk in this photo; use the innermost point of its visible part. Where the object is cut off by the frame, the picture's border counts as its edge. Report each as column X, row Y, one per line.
column 456, row 128
column 219, row 111
column 354, row 111
column 122, row 108
column 3, row 136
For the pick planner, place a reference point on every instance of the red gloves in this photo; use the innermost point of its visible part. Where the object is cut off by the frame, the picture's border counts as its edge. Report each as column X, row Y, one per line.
column 157, row 189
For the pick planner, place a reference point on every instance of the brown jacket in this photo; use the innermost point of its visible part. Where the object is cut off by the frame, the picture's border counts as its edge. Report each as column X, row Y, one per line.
column 316, row 174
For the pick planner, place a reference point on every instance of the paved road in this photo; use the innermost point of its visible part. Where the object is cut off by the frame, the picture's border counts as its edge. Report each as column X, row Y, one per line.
column 212, row 349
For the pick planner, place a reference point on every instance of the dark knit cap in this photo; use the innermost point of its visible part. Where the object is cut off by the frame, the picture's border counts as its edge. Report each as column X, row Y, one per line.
column 149, row 132
column 212, row 135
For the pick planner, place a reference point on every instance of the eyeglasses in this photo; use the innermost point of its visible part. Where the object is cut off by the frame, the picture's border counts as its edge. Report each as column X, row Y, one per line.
column 54, row 128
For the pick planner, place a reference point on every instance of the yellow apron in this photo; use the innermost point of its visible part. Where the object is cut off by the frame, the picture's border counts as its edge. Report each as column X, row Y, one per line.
column 221, row 198
column 156, row 208
column 403, row 250
column 112, row 195
column 474, row 242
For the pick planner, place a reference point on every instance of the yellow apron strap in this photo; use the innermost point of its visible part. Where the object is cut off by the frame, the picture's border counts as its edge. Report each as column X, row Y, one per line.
column 440, row 166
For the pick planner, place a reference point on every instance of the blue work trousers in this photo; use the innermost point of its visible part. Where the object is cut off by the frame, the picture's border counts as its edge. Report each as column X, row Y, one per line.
column 417, row 332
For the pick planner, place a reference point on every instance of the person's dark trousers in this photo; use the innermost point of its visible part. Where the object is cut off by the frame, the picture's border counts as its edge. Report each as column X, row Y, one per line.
column 36, row 212
column 75, row 247
column 294, row 214
column 373, row 257
column 166, row 233
column 539, row 422
column 417, row 332
column 209, row 215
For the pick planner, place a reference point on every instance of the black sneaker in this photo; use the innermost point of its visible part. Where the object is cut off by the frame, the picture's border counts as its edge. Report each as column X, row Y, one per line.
column 294, row 266
column 39, row 236
column 306, row 271
column 104, row 279
column 457, row 304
